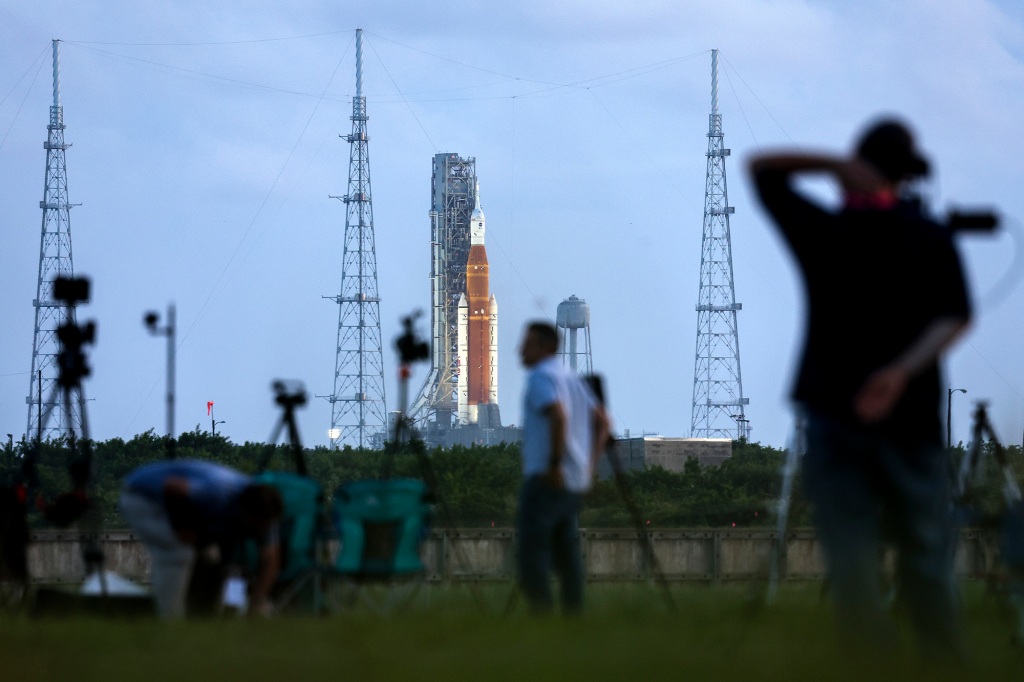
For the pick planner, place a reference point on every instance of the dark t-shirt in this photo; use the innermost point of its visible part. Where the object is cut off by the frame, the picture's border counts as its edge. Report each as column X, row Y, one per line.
column 874, row 280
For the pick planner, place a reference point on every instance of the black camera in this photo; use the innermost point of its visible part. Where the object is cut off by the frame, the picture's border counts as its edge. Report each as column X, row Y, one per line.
column 72, row 337
column 71, row 290
column 410, row 348
column 289, row 392
column 973, row 221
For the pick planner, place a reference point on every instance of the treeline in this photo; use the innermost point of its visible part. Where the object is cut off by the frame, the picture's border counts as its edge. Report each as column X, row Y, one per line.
column 476, row 486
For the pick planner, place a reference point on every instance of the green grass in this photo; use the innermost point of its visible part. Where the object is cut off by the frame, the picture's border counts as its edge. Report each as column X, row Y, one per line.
column 626, row 633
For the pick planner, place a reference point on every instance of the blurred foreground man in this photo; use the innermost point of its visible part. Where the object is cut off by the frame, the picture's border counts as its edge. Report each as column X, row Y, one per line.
column 886, row 298
column 177, row 507
column 564, row 432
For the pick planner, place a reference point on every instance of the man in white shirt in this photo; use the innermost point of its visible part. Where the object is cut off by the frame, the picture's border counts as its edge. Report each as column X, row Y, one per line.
column 564, row 432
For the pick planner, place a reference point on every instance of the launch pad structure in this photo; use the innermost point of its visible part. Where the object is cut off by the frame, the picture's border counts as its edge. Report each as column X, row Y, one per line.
column 453, row 195
column 458, row 402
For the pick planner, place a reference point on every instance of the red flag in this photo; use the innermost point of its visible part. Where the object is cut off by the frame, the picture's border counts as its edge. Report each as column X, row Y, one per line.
column 209, row 407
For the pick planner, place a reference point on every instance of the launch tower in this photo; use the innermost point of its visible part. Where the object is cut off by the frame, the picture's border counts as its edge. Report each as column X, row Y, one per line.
column 54, row 261
column 358, row 411
column 453, row 196
column 718, row 401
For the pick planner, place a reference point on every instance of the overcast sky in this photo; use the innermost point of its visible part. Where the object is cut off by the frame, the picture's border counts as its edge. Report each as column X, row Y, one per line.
column 205, row 145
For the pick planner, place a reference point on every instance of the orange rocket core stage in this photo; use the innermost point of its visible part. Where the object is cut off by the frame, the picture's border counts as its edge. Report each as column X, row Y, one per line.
column 479, row 328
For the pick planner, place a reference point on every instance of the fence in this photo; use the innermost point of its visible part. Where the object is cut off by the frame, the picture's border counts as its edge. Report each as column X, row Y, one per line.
column 698, row 555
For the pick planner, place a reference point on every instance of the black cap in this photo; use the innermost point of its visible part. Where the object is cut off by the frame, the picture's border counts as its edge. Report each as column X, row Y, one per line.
column 889, row 146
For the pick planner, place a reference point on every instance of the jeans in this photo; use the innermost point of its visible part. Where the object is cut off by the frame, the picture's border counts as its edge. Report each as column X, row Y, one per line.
column 867, row 492
column 172, row 559
column 546, row 523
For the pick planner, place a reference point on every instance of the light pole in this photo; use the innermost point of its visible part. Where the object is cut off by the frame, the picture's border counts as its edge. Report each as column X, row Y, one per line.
column 742, row 430
column 949, row 414
column 213, row 420
column 151, row 319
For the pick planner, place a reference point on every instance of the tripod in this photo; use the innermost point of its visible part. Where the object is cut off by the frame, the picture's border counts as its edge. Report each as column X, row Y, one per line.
column 972, row 466
column 622, row 483
column 1010, row 521
column 794, row 452
column 289, row 397
column 410, row 351
column 72, row 367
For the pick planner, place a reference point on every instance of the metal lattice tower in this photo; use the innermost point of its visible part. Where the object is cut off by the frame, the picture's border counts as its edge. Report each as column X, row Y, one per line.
column 453, row 194
column 54, row 261
column 718, row 402
column 358, row 410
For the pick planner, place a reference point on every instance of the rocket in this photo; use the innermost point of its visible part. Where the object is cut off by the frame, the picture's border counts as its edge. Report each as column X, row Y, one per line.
column 478, row 327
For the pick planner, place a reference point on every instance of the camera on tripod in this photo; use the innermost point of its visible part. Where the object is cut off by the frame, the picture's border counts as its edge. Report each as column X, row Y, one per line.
column 71, row 360
column 289, row 393
column 410, row 348
column 71, row 290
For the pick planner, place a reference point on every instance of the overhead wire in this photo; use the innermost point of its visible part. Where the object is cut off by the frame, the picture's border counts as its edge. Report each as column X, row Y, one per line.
column 455, row 61
column 1011, row 278
column 22, row 77
column 763, row 105
column 28, row 91
column 992, row 298
column 998, row 293
column 553, row 87
column 248, row 229
column 194, row 74
column 587, row 85
column 266, row 198
column 408, row 106
column 219, row 42
column 772, row 284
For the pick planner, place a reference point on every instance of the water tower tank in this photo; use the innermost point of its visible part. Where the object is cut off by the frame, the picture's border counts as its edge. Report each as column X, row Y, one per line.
column 574, row 315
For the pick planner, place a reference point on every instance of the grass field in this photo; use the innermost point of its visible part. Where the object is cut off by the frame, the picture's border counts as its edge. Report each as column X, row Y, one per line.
column 626, row 633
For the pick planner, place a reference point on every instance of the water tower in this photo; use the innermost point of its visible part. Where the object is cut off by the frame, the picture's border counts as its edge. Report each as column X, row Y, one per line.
column 574, row 315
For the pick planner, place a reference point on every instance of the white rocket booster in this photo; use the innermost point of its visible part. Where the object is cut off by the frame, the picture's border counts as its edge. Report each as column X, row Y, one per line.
column 462, row 385
column 493, row 315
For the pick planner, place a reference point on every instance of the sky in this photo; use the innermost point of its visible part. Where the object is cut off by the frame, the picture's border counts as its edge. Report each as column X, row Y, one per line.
column 206, row 146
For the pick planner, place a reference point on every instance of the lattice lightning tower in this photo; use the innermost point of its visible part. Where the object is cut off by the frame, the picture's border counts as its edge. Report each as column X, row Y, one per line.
column 718, row 402
column 54, row 261
column 358, row 410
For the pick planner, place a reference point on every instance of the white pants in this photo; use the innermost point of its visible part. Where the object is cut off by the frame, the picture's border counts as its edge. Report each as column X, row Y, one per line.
column 171, row 559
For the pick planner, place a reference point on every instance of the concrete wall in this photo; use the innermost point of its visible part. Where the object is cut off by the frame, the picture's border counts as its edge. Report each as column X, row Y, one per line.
column 669, row 453
column 701, row 555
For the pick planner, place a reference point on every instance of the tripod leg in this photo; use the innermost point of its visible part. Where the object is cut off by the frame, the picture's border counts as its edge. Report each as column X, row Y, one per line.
column 638, row 526
column 793, row 455
column 92, row 553
column 272, row 446
column 295, row 441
